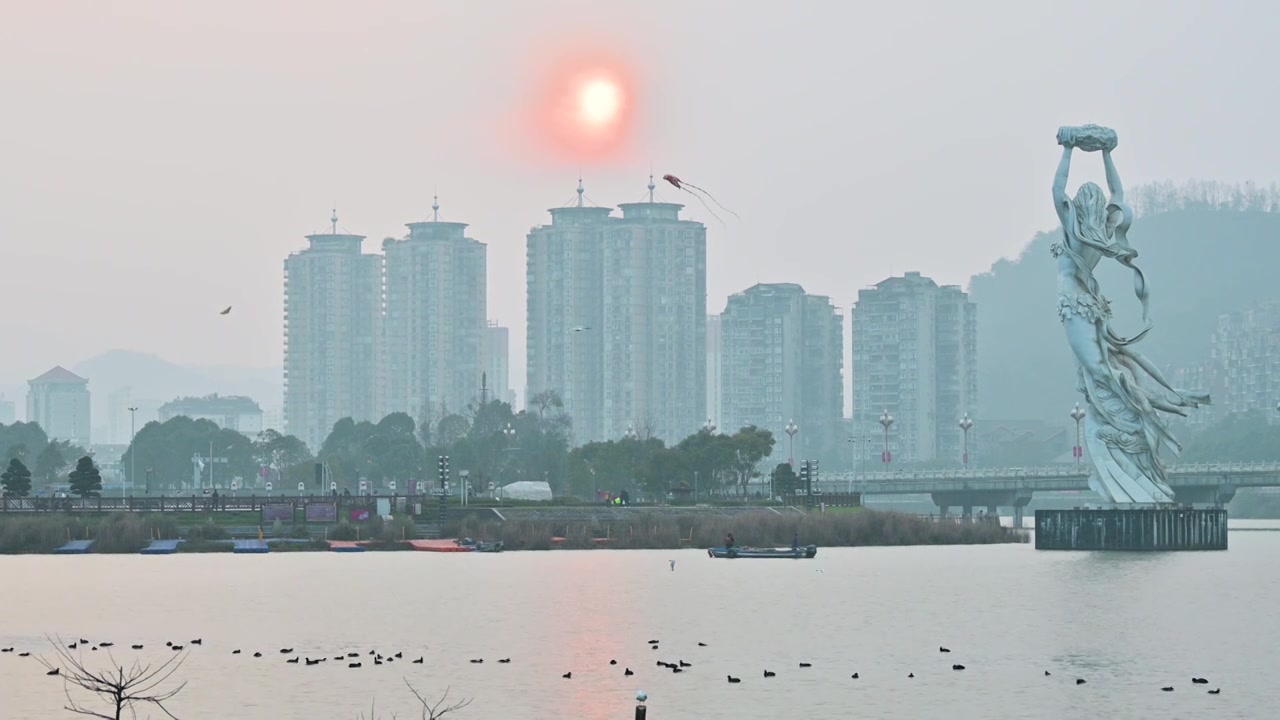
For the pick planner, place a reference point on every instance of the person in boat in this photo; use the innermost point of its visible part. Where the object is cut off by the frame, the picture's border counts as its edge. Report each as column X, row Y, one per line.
column 728, row 541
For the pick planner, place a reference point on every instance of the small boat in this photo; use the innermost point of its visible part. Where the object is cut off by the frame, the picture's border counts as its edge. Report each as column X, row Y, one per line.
column 474, row 546
column 804, row 551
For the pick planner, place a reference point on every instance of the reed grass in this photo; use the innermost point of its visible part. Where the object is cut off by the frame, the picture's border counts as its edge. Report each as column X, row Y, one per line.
column 762, row 529
column 112, row 533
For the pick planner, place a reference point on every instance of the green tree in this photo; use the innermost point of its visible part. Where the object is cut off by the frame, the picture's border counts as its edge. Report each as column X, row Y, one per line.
column 750, row 445
column 451, row 429
column 16, row 479
column 664, row 469
column 22, row 440
column 784, row 479
column 86, row 481
column 50, row 462
column 283, row 451
column 711, row 457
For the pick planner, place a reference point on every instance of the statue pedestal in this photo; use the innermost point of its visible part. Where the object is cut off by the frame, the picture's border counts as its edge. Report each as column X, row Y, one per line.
column 1139, row 528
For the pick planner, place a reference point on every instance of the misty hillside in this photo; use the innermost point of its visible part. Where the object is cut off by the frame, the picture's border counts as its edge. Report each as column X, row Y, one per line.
column 1199, row 262
column 118, row 378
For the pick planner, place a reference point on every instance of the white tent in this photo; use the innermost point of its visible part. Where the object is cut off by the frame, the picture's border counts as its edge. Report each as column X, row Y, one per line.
column 526, row 491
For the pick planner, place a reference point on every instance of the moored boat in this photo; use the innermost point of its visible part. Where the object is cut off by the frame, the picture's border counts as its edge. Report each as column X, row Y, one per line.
column 481, row 546
column 743, row 552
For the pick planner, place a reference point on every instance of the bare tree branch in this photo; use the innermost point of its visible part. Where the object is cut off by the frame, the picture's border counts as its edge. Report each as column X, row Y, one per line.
column 429, row 711
column 122, row 689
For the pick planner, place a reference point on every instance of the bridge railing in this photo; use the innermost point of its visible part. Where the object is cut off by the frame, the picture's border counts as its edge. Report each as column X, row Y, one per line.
column 197, row 503
column 1052, row 471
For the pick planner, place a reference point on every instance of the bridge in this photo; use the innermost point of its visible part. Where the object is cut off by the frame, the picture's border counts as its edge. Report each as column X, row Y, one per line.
column 1193, row 484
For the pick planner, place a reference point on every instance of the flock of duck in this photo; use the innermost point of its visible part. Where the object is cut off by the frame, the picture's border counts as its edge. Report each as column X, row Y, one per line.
column 357, row 660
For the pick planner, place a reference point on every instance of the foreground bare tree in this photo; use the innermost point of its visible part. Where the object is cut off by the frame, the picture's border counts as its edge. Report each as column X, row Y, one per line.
column 429, row 711
column 121, row 688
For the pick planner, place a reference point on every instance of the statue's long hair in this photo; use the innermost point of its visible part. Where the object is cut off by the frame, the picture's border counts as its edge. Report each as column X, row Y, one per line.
column 1089, row 209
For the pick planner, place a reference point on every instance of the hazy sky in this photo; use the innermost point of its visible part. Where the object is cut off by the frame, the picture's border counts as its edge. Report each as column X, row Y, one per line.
column 159, row 159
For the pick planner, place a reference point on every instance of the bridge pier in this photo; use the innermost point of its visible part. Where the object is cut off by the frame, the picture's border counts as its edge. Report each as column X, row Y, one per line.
column 1215, row 495
column 992, row 500
column 944, row 511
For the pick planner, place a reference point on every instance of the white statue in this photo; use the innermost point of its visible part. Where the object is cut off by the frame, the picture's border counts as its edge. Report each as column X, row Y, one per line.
column 1123, row 432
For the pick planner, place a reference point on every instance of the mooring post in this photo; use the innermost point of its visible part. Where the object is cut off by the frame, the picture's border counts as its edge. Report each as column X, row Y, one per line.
column 641, row 710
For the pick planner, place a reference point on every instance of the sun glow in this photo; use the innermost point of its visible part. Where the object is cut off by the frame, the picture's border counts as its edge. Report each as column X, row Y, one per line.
column 583, row 107
column 599, row 102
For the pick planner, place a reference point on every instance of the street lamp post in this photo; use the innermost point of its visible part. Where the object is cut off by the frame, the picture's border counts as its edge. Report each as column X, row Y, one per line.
column 965, row 423
column 133, row 448
column 709, row 426
column 509, row 433
column 885, row 421
column 1077, row 414
column 855, row 442
column 791, row 429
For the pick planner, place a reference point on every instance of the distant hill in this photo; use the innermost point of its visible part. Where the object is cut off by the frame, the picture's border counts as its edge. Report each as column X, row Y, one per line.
column 1205, row 248
column 120, row 378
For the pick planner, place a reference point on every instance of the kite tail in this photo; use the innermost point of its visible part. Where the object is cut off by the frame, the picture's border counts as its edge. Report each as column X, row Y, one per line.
column 714, row 200
column 704, row 204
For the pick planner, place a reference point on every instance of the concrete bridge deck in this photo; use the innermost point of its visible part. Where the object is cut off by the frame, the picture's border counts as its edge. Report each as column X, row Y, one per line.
column 1206, row 483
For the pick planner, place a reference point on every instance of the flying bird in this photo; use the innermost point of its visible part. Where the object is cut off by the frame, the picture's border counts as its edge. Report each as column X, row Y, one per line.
column 580, row 328
column 226, row 312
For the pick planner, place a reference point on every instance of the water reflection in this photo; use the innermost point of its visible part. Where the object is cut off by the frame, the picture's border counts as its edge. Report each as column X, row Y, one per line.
column 1128, row 623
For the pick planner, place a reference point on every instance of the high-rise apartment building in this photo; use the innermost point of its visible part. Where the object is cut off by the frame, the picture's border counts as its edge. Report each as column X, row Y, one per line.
column 8, row 411
column 564, row 266
column 914, row 346
column 714, row 370
column 332, row 311
column 58, row 401
column 497, row 359
column 617, row 318
column 655, row 322
column 1245, row 362
column 434, row 323
column 781, row 361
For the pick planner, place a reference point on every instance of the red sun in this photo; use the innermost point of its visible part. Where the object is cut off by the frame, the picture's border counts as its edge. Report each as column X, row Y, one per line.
column 584, row 109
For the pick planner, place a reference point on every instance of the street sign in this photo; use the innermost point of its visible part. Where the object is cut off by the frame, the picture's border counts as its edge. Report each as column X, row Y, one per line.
column 302, row 487
column 268, row 486
column 333, row 486
column 392, row 485
column 235, row 484
column 364, row 486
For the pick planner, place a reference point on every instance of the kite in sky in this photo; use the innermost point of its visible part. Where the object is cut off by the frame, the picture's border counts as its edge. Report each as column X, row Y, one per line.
column 699, row 193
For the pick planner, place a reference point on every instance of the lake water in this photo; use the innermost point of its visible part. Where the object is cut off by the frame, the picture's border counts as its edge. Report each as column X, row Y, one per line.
column 1127, row 623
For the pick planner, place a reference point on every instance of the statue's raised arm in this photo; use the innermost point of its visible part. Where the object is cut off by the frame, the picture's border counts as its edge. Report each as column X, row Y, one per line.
column 1061, row 202
column 1113, row 177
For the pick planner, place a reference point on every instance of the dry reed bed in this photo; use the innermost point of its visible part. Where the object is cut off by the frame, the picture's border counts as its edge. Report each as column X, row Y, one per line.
column 843, row 529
